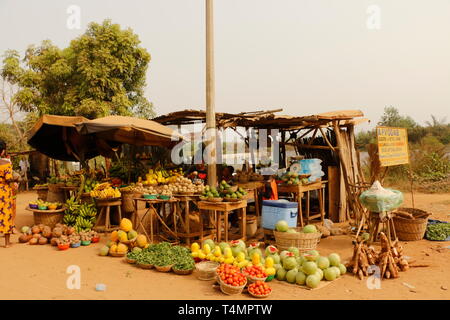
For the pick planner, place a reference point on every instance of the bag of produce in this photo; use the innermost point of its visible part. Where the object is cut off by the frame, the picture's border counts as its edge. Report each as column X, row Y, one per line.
column 379, row 199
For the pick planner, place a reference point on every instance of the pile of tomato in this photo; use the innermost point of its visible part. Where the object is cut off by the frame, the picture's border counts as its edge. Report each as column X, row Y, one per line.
column 255, row 272
column 231, row 275
column 259, row 288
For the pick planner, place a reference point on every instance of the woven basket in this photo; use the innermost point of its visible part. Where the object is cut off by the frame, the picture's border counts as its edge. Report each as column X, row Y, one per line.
column 206, row 270
column 52, row 187
column 145, row 266
column 130, row 261
column 48, row 218
column 410, row 229
column 127, row 201
column 231, row 290
column 303, row 241
column 260, row 296
column 164, row 268
column 183, row 272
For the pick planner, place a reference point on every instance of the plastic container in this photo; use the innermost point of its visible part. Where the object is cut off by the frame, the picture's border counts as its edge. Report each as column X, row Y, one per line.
column 150, row 196
column 42, row 207
column 85, row 243
column 33, row 206
column 75, row 245
column 275, row 210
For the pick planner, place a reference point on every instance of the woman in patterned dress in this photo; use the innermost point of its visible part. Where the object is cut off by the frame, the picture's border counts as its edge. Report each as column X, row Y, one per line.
column 6, row 196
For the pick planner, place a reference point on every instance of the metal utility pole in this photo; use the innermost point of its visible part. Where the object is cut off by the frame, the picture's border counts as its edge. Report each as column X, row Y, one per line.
column 210, row 96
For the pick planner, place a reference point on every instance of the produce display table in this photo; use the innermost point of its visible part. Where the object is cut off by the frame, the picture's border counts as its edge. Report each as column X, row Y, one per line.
column 153, row 212
column 48, row 217
column 105, row 206
column 299, row 190
column 253, row 187
column 185, row 201
column 225, row 208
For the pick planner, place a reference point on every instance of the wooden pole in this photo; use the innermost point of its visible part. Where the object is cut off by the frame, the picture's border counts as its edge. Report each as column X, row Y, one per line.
column 210, row 95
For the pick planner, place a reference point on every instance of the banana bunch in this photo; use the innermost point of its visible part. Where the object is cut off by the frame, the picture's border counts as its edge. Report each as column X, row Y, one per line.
column 87, row 211
column 105, row 193
column 72, row 205
column 69, row 219
column 83, row 224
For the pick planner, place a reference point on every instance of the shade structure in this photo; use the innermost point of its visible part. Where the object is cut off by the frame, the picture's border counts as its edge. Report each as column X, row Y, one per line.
column 58, row 138
column 134, row 131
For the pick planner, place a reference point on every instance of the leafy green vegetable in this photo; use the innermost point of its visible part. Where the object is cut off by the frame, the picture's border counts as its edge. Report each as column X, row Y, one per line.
column 438, row 231
column 164, row 254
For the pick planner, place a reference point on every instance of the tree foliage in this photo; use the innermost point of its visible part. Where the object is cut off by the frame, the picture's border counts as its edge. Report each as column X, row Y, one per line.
column 100, row 73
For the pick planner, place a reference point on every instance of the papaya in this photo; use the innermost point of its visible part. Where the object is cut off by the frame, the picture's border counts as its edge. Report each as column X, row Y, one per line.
column 113, row 248
column 114, row 236
column 122, row 248
column 123, row 237
column 104, row 251
column 126, row 225
column 141, row 241
column 132, row 234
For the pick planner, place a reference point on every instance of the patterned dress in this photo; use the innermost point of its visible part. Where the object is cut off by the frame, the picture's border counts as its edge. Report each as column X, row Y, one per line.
column 6, row 199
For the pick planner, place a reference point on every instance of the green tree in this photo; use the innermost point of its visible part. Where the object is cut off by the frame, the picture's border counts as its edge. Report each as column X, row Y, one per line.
column 100, row 73
column 392, row 118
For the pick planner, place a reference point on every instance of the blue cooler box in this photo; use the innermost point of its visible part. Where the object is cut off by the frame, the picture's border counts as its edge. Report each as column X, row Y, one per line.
column 276, row 210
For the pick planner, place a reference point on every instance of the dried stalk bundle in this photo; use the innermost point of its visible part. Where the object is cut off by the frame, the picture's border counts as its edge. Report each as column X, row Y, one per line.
column 389, row 259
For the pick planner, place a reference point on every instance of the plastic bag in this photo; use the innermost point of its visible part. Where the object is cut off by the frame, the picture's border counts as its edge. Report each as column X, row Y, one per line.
column 379, row 199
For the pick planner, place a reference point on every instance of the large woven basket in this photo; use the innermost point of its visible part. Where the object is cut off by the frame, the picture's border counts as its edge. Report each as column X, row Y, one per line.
column 303, row 241
column 48, row 218
column 410, row 229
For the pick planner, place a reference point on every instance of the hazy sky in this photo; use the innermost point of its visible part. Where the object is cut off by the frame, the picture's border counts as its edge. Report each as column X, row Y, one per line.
column 305, row 56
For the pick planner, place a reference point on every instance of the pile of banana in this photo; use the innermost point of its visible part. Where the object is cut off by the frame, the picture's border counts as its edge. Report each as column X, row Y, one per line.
column 81, row 216
column 162, row 176
column 105, row 191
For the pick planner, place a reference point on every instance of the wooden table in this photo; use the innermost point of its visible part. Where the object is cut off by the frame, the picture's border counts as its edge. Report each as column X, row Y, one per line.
column 105, row 208
column 299, row 190
column 186, row 200
column 225, row 208
column 253, row 187
column 152, row 210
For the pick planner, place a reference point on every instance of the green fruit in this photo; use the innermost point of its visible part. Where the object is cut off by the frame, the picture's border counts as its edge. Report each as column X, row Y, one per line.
column 335, row 259
column 104, row 251
column 310, row 228
column 309, row 267
column 300, row 278
column 329, row 274
column 323, row 262
column 291, row 275
column 281, row 226
column 312, row 281
column 281, row 274
column 342, row 269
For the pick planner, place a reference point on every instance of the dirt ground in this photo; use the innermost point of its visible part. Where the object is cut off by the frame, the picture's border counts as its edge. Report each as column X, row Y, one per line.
column 39, row 272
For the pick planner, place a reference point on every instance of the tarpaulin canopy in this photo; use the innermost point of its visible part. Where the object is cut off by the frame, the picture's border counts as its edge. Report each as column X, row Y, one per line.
column 57, row 138
column 134, row 131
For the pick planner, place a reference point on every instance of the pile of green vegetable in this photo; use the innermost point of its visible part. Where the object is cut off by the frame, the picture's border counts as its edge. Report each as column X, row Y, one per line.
column 164, row 254
column 438, row 231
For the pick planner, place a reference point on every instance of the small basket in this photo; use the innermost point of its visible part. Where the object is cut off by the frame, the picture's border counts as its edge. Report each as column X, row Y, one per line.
column 303, row 241
column 411, row 229
column 251, row 279
column 183, row 272
column 145, row 266
column 260, row 296
column 95, row 240
column 130, row 261
column 231, row 290
column 150, row 196
column 214, row 199
column 63, row 246
column 206, row 270
column 164, row 268
column 232, row 200
column 115, row 254
column 75, row 245
column 85, row 243
column 33, row 206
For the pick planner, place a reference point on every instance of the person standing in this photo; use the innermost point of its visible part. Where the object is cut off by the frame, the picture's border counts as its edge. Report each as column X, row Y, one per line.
column 6, row 195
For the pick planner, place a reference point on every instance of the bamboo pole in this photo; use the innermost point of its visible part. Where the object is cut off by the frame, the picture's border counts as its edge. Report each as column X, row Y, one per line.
column 210, row 95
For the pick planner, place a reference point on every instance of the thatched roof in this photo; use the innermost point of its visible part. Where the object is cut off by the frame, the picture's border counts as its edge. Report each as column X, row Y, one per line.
column 264, row 119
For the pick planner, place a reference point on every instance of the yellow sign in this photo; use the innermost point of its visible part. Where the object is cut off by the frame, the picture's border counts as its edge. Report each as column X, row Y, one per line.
column 392, row 146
